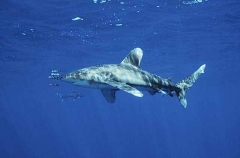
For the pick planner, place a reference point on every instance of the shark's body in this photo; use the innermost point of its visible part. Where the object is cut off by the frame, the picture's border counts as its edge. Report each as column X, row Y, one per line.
column 128, row 76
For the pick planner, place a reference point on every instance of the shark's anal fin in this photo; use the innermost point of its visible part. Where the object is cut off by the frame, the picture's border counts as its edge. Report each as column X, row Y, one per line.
column 109, row 95
column 134, row 57
column 126, row 88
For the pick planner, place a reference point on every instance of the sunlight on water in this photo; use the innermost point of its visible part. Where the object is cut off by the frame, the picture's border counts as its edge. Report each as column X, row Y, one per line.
column 193, row 2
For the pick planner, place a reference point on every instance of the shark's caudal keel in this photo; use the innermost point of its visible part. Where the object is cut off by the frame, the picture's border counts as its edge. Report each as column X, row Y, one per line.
column 128, row 76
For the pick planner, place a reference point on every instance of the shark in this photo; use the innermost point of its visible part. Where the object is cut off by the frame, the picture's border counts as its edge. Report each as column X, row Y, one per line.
column 129, row 77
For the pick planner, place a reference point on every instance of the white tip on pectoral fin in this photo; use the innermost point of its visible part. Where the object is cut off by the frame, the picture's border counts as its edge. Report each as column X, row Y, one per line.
column 137, row 93
column 202, row 68
column 184, row 102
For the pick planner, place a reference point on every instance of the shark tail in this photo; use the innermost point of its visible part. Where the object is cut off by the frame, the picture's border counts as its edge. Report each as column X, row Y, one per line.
column 187, row 83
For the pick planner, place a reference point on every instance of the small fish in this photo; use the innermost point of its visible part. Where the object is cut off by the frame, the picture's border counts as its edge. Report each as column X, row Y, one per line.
column 74, row 95
column 56, row 71
column 54, row 84
column 55, row 74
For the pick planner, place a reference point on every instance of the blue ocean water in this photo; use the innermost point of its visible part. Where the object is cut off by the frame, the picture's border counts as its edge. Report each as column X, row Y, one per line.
column 176, row 36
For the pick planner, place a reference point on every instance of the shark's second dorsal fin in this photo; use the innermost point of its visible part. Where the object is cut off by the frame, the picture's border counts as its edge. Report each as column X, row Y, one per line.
column 134, row 57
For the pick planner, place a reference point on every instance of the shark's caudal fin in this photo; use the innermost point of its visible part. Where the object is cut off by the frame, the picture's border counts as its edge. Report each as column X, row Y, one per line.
column 185, row 84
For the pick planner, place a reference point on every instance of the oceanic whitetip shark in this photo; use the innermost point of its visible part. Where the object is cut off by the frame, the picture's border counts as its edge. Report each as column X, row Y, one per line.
column 129, row 77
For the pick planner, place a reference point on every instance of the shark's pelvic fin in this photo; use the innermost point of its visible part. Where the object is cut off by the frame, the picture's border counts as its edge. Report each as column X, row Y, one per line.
column 126, row 88
column 109, row 94
column 187, row 83
column 152, row 92
column 134, row 57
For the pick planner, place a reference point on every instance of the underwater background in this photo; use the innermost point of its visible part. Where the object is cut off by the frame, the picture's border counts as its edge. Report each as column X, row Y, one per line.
column 39, row 119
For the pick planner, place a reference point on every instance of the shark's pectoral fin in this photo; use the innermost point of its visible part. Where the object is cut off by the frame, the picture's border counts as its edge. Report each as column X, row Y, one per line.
column 126, row 88
column 109, row 95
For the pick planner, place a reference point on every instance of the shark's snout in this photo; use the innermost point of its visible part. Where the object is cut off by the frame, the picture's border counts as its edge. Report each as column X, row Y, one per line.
column 67, row 78
column 71, row 77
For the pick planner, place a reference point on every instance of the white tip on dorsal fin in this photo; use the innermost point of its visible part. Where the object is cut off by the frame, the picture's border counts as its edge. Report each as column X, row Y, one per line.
column 134, row 57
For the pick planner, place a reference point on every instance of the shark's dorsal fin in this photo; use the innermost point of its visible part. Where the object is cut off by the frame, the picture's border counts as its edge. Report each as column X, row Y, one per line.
column 134, row 57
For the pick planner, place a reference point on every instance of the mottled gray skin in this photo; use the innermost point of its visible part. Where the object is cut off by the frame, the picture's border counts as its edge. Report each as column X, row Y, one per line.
column 129, row 77
column 97, row 76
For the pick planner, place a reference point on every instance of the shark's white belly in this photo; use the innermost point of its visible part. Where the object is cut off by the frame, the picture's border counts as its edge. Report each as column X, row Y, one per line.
column 98, row 85
column 94, row 85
